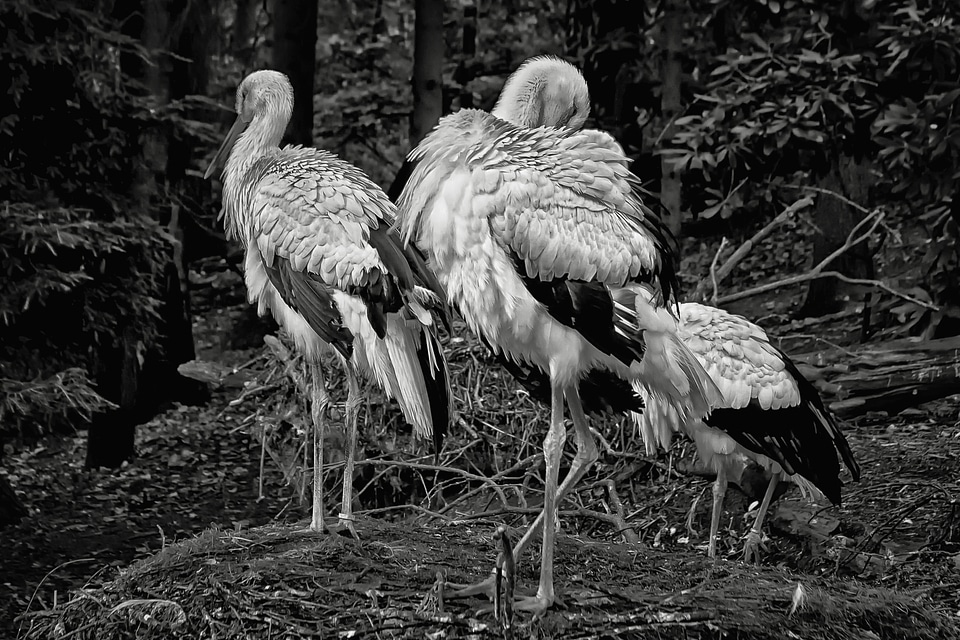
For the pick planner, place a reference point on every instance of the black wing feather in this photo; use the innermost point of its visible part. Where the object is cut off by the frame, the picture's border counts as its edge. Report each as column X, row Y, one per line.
column 587, row 307
column 805, row 439
column 312, row 298
column 602, row 392
column 438, row 392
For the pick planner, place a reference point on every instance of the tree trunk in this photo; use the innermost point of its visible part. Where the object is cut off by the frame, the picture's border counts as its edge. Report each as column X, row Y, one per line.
column 189, row 40
column 295, row 54
column 467, row 68
column 670, row 107
column 889, row 376
column 834, row 221
column 153, row 157
column 12, row 509
column 427, row 68
column 110, row 437
column 427, row 82
column 244, row 30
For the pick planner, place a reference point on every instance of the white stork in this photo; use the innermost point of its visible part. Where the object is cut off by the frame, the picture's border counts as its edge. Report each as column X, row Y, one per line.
column 768, row 412
column 542, row 243
column 321, row 256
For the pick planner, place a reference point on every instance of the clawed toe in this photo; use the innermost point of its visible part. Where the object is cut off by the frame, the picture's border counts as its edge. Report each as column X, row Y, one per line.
column 537, row 605
column 346, row 529
column 483, row 588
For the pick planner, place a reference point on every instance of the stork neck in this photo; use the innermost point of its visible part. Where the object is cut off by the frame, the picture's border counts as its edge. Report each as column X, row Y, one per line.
column 260, row 139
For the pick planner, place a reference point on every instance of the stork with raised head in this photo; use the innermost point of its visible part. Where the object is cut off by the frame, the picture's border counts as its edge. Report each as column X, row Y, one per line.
column 768, row 413
column 322, row 257
column 541, row 241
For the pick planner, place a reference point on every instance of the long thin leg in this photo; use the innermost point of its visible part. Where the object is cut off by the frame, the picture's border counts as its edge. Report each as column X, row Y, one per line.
column 552, row 450
column 719, row 490
column 753, row 537
column 319, row 401
column 586, row 455
column 352, row 417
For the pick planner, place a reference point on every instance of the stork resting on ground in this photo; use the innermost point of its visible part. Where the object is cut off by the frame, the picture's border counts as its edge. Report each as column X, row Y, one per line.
column 321, row 256
column 542, row 243
column 768, row 413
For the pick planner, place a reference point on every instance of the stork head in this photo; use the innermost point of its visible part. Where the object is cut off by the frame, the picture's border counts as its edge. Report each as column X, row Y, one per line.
column 264, row 107
column 545, row 91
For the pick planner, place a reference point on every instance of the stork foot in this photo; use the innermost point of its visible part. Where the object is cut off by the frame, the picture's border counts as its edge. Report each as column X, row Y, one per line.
column 314, row 529
column 537, row 605
column 346, row 528
column 752, row 543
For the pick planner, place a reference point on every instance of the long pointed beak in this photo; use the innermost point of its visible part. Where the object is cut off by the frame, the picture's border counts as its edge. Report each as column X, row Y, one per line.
column 239, row 126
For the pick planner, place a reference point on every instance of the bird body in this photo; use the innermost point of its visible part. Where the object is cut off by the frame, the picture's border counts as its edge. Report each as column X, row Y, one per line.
column 767, row 412
column 501, row 210
column 320, row 255
column 541, row 241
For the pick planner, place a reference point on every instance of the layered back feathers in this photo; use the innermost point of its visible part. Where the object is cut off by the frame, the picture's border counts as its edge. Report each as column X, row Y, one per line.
column 517, row 175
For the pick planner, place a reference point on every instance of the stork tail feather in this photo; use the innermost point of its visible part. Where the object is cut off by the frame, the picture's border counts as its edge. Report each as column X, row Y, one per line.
column 423, row 389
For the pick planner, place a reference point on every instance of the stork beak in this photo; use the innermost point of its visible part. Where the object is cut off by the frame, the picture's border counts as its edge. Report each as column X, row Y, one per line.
column 224, row 151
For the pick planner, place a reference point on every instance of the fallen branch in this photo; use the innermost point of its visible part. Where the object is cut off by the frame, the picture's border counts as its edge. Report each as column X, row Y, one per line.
column 430, row 467
column 883, row 377
column 714, row 276
column 617, row 518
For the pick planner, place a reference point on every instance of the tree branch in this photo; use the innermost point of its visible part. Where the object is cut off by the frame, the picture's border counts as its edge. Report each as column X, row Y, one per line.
column 717, row 275
column 873, row 219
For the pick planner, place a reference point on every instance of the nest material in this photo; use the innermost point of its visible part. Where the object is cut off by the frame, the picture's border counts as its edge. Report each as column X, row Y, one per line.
column 279, row 582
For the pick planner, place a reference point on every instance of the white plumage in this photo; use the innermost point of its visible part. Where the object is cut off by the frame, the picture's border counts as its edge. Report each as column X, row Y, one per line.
column 322, row 258
column 768, row 412
column 541, row 241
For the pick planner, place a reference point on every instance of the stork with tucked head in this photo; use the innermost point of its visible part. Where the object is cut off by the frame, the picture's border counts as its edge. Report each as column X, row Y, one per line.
column 321, row 256
column 768, row 412
column 541, row 241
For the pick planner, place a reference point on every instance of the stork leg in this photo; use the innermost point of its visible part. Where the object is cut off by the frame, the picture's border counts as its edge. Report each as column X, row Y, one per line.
column 750, row 545
column 319, row 401
column 352, row 417
column 586, row 455
column 719, row 490
column 584, row 458
column 552, row 450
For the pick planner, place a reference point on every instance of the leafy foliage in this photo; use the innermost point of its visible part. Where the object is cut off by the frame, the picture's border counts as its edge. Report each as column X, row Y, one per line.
column 919, row 139
column 36, row 407
column 69, row 107
column 803, row 83
column 776, row 105
column 80, row 264
column 72, row 284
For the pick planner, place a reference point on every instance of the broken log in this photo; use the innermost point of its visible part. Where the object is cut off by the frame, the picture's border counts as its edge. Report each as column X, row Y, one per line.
column 889, row 376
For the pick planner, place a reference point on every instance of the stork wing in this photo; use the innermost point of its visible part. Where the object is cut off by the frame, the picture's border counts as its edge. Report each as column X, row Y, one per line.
column 319, row 213
column 739, row 357
column 564, row 202
column 325, row 219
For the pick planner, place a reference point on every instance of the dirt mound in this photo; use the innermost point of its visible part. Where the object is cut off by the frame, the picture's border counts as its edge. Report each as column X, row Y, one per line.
column 277, row 581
